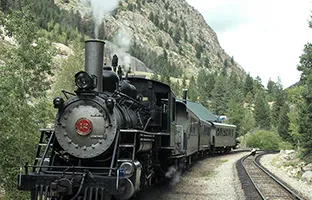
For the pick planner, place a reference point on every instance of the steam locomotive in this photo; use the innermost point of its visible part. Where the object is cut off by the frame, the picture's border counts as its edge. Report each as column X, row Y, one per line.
column 116, row 135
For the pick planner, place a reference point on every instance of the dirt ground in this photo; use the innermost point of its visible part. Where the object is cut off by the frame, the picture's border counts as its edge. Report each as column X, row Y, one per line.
column 212, row 178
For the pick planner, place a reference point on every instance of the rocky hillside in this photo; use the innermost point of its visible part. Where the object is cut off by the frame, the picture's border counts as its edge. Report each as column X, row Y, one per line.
column 171, row 29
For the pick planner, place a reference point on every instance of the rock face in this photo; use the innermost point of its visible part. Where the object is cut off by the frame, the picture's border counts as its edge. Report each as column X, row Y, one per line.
column 161, row 26
column 307, row 176
column 287, row 154
column 287, row 160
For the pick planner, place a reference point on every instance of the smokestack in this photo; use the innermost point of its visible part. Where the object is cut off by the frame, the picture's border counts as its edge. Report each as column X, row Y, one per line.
column 184, row 95
column 94, row 61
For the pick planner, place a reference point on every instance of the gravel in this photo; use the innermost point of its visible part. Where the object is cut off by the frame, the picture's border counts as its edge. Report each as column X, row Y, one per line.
column 212, row 178
column 304, row 189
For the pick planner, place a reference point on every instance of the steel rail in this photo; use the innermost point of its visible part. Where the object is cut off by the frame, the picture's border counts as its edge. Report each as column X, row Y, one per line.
column 296, row 196
column 249, row 176
column 278, row 182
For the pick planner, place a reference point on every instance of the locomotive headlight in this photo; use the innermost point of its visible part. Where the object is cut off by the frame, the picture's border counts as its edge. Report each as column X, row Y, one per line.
column 127, row 168
column 58, row 102
column 85, row 81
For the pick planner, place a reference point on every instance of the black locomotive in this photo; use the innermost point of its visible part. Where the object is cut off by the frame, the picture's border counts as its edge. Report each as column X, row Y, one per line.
column 115, row 135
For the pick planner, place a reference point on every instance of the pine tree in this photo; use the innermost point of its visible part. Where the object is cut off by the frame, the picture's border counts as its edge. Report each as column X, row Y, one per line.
column 283, row 124
column 151, row 16
column 156, row 20
column 184, row 82
column 279, row 102
column 262, row 111
column 166, row 24
column 160, row 41
column 257, row 85
column 177, row 36
column 235, row 110
column 248, row 84
column 192, row 91
column 305, row 109
column 219, row 98
column 271, row 89
column 165, row 54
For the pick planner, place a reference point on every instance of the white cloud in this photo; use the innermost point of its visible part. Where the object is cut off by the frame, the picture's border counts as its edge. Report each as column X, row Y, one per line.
column 265, row 37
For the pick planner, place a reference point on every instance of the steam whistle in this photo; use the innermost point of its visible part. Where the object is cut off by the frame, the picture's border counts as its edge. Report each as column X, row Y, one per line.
column 115, row 62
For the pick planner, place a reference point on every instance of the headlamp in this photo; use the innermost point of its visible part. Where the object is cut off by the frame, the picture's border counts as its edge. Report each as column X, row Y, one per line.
column 58, row 102
column 85, row 81
column 127, row 168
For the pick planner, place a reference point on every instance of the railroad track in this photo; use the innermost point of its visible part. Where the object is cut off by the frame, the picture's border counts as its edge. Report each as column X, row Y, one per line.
column 263, row 184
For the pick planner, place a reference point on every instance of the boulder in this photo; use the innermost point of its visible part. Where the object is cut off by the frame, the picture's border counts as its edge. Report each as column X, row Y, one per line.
column 307, row 176
column 63, row 49
column 287, row 154
column 308, row 167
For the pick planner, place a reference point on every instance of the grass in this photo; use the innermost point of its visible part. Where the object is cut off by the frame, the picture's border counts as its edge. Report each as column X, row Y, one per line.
column 211, row 173
column 208, row 174
column 220, row 162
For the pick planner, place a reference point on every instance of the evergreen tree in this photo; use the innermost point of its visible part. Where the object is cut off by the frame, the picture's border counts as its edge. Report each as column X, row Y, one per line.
column 205, row 85
column 247, row 122
column 199, row 50
column 257, row 85
column 279, row 102
column 295, row 99
column 271, row 88
column 156, row 20
column 305, row 109
column 262, row 111
column 192, row 91
column 283, row 124
column 232, row 60
column 177, row 36
column 184, row 82
column 160, row 41
column 165, row 54
column 236, row 111
column 219, row 97
column 167, row 5
column 166, row 24
column 248, row 84
column 151, row 16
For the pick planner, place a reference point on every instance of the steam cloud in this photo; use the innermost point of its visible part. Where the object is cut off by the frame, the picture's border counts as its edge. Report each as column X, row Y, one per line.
column 123, row 40
column 99, row 9
column 174, row 174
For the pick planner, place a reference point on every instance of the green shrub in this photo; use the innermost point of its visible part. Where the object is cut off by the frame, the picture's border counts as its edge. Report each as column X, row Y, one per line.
column 285, row 145
column 264, row 140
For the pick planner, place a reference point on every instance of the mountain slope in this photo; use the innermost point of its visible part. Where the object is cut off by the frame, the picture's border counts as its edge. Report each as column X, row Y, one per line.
column 171, row 30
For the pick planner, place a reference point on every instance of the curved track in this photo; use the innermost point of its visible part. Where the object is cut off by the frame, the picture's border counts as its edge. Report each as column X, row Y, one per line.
column 265, row 185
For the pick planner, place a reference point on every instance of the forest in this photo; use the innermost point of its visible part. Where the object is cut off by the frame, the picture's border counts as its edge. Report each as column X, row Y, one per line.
column 278, row 117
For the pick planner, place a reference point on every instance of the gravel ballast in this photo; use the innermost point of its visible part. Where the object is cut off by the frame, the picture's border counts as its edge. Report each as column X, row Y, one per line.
column 212, row 178
column 304, row 189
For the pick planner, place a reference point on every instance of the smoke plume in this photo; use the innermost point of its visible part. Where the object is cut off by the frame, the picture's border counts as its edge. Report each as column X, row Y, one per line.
column 99, row 9
column 174, row 174
column 123, row 39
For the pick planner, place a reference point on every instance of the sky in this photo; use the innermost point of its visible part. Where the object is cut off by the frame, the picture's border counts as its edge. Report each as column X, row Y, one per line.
column 266, row 37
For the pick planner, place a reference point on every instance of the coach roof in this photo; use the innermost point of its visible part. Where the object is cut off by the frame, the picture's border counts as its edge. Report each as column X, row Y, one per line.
column 201, row 111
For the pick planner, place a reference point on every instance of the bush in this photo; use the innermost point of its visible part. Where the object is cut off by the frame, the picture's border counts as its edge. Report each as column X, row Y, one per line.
column 285, row 145
column 264, row 140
